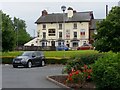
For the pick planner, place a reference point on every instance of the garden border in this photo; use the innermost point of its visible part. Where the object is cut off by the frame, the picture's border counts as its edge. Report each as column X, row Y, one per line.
column 56, row 82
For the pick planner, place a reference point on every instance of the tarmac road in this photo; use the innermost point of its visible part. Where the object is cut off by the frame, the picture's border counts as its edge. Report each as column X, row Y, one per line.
column 34, row 77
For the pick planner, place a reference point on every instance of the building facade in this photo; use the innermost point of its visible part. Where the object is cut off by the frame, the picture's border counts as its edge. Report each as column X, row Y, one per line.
column 72, row 29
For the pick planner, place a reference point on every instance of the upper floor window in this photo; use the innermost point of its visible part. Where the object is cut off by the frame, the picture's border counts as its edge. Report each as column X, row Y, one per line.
column 51, row 32
column 38, row 34
column 75, row 34
column 44, row 34
column 60, row 26
column 82, row 32
column 60, row 34
column 44, row 26
column 75, row 26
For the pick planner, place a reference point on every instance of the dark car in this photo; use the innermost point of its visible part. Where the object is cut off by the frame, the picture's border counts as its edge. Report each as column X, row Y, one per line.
column 85, row 47
column 29, row 59
column 62, row 47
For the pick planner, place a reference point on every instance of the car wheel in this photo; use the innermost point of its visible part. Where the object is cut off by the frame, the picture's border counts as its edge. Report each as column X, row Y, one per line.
column 42, row 63
column 15, row 66
column 29, row 64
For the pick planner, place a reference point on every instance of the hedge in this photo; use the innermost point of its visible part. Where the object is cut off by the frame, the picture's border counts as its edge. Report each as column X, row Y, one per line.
column 49, row 60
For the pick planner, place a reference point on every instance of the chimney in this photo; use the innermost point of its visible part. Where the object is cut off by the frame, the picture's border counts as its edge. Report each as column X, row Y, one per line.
column 70, row 12
column 44, row 12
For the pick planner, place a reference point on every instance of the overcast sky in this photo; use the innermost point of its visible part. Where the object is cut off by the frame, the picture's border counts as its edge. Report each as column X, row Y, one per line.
column 31, row 11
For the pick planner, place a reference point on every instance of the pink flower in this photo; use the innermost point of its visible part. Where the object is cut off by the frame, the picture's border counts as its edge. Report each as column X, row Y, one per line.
column 89, row 77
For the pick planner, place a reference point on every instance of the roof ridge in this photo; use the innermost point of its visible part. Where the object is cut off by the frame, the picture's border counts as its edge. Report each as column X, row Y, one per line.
column 66, row 13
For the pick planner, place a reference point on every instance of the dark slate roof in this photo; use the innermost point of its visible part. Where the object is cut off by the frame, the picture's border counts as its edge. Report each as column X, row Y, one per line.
column 58, row 17
column 93, row 23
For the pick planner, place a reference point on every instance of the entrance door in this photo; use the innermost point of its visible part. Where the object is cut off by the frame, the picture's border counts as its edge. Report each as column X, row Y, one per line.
column 67, row 45
column 53, row 43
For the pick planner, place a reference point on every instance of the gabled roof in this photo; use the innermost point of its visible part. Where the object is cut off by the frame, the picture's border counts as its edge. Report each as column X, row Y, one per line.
column 58, row 17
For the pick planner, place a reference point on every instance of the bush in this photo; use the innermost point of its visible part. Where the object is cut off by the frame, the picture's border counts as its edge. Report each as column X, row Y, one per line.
column 7, row 60
column 78, row 61
column 106, row 71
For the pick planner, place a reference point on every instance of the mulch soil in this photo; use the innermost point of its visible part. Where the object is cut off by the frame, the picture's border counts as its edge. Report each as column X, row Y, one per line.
column 62, row 79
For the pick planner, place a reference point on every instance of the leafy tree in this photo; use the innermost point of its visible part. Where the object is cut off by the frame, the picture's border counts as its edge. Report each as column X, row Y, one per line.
column 8, row 34
column 21, row 35
column 108, row 36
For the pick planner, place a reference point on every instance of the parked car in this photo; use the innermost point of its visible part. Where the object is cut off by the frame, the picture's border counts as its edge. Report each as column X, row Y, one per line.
column 62, row 47
column 85, row 47
column 29, row 59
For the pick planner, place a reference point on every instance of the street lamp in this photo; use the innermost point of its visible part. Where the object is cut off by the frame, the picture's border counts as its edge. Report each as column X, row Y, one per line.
column 63, row 8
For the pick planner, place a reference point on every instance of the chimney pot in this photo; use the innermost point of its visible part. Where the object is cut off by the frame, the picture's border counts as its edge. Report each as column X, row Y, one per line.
column 44, row 12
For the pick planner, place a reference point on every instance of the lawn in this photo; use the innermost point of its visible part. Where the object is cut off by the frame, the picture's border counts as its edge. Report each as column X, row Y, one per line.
column 53, row 53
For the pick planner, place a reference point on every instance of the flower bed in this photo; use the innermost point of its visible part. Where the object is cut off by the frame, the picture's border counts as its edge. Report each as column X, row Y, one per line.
column 76, row 78
column 62, row 79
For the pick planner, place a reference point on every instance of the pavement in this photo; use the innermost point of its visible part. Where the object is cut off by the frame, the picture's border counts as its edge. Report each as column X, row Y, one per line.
column 34, row 77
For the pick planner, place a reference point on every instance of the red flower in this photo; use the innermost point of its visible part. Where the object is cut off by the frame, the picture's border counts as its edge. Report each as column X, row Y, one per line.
column 70, row 74
column 70, row 79
column 88, row 77
column 77, row 72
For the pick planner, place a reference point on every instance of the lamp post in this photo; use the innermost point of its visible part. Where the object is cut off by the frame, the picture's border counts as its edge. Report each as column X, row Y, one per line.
column 63, row 8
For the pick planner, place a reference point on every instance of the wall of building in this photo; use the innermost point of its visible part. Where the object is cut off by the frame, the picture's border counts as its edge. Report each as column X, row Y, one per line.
column 67, row 26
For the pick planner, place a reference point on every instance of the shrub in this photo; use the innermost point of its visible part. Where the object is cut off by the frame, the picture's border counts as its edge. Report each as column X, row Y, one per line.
column 77, row 62
column 7, row 60
column 80, row 76
column 106, row 71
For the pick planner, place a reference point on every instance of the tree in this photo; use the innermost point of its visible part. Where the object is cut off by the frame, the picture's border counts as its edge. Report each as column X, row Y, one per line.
column 21, row 35
column 108, row 36
column 8, row 34
column 13, row 32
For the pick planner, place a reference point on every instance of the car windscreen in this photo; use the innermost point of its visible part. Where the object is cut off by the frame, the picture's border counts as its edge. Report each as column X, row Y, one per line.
column 27, row 54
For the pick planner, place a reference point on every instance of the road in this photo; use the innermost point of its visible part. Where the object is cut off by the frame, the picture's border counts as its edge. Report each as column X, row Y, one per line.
column 34, row 77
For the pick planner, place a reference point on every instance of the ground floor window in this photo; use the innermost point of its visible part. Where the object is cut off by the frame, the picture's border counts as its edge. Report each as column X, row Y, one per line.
column 44, row 44
column 60, row 43
column 75, row 44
